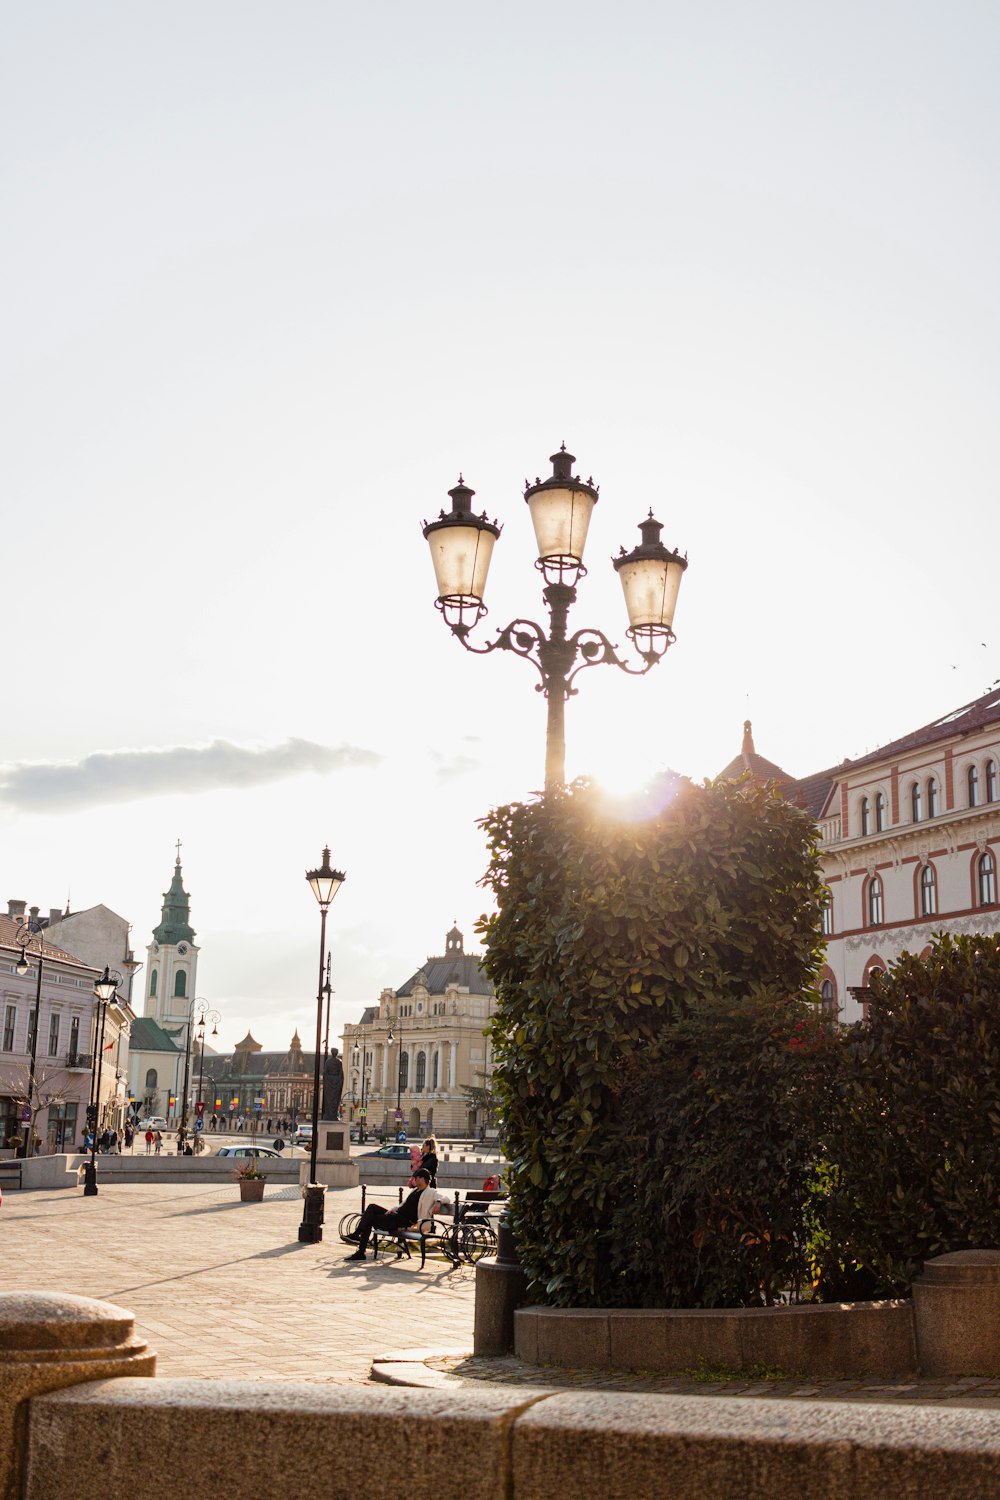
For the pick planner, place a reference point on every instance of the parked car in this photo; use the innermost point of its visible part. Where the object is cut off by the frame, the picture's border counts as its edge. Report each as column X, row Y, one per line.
column 153, row 1122
column 247, row 1151
column 396, row 1150
column 303, row 1136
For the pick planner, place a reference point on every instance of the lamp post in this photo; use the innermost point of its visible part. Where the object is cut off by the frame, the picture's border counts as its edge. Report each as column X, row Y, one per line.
column 215, row 1017
column 324, row 884
column 105, row 990
column 561, row 507
column 197, row 1007
column 364, row 1084
column 25, row 937
column 399, row 1073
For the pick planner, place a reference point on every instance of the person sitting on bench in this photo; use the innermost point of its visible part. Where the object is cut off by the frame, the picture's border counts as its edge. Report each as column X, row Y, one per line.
column 418, row 1205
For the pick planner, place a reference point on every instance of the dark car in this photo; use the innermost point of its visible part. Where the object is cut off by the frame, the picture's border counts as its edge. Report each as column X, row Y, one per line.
column 396, row 1150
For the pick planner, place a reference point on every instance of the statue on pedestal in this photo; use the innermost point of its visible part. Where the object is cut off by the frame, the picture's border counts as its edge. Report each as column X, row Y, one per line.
column 333, row 1086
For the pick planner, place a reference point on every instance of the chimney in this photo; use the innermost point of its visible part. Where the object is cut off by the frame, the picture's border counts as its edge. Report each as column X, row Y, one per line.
column 15, row 909
column 55, row 915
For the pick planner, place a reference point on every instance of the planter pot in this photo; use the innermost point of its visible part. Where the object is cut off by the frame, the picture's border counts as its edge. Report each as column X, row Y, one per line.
column 251, row 1189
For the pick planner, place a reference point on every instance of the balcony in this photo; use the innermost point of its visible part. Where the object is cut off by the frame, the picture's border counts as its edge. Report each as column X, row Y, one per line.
column 76, row 1062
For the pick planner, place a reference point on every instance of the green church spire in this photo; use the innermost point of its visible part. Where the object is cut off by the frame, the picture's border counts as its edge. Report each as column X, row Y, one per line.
column 175, row 926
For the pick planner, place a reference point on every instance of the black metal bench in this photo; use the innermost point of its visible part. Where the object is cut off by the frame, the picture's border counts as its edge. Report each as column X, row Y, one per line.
column 10, row 1174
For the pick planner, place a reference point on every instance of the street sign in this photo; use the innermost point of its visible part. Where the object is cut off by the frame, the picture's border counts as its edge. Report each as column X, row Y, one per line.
column 199, row 1124
column 399, row 1114
column 362, row 1112
column 258, row 1104
column 200, row 1107
column 25, row 1113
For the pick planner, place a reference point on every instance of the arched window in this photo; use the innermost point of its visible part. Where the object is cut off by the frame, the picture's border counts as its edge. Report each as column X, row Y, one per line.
column 435, row 1070
column 915, row 801
column 151, row 1078
column 865, row 818
column 152, row 981
column 932, row 797
column 404, row 1069
column 973, row 786
column 991, row 781
column 875, row 901
column 880, row 813
column 826, row 909
column 421, row 1071
column 181, row 983
column 986, row 879
column 828, row 999
column 928, row 891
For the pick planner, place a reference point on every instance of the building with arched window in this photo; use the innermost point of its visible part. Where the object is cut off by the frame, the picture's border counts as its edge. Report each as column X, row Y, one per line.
column 910, row 841
column 422, row 1049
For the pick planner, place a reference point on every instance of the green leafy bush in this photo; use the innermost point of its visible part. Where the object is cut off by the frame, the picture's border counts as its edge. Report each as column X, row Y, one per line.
column 653, row 1046
column 914, row 1149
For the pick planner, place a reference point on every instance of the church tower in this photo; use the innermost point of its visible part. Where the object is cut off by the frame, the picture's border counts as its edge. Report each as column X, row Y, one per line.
column 172, row 958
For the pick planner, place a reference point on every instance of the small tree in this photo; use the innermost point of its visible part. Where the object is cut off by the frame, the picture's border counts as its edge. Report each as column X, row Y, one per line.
column 914, row 1147
column 625, row 949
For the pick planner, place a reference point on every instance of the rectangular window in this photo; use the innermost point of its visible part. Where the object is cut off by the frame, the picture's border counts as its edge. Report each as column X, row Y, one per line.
column 53, row 1033
column 74, row 1037
column 32, row 1022
column 9, row 1019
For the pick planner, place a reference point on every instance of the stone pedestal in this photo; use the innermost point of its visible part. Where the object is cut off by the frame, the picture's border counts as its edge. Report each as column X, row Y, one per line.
column 334, row 1167
column 956, row 1313
column 48, row 1341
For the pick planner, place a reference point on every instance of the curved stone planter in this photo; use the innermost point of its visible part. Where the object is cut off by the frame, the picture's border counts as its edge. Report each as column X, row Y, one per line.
column 830, row 1339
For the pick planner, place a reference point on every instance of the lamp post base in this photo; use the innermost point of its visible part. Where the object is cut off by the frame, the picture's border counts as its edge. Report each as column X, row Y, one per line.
column 90, row 1179
column 311, row 1228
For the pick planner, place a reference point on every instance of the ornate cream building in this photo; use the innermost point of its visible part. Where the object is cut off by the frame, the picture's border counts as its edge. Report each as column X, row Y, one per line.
column 910, row 838
column 413, row 1056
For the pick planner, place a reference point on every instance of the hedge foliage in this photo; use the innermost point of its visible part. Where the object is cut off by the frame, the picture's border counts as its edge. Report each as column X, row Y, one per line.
column 913, row 1151
column 654, row 1040
column 683, row 1129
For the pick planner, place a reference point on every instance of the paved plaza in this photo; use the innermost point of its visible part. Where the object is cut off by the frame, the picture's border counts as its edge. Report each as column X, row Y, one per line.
column 223, row 1288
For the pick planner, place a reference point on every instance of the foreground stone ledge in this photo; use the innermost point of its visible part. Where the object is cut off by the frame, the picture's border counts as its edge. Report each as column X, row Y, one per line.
column 48, row 1341
column 686, row 1448
column 228, row 1437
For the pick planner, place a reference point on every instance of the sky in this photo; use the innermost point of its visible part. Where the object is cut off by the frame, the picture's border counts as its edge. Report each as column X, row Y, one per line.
column 273, row 275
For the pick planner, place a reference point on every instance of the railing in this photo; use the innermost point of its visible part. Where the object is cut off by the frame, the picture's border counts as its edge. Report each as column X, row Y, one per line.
column 77, row 1061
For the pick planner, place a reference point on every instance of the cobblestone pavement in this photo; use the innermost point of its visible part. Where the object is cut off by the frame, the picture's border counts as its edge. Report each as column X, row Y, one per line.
column 223, row 1288
column 445, row 1368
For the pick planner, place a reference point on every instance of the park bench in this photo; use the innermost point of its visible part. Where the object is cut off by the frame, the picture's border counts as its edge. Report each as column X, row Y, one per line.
column 10, row 1174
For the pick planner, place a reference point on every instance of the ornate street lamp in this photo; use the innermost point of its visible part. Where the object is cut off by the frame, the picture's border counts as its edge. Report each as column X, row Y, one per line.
column 27, row 936
column 561, row 506
column 105, row 991
column 204, row 1017
column 399, row 1073
column 324, row 884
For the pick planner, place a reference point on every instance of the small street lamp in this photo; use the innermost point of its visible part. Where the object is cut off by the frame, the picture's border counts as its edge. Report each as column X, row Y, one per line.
column 365, row 1080
column 215, row 1017
column 105, row 991
column 561, row 506
column 324, row 884
column 399, row 1073
column 27, row 936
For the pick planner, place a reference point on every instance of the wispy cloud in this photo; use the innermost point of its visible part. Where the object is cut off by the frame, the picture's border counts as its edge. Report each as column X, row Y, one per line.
column 447, row 767
column 130, row 775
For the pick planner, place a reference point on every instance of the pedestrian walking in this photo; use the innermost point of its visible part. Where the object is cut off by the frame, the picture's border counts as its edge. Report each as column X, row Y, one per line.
column 157, row 1143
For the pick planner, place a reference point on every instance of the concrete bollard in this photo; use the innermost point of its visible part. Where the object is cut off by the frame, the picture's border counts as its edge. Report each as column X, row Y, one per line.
column 956, row 1314
column 501, row 1288
column 49, row 1341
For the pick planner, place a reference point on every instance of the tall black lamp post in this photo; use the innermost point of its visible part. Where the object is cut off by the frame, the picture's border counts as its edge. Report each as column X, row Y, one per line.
column 561, row 506
column 215, row 1017
column 26, row 936
column 105, row 990
column 399, row 1073
column 324, row 883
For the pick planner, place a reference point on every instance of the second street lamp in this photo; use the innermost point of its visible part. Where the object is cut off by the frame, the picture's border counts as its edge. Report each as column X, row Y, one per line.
column 105, row 991
column 324, row 884
column 26, row 936
column 561, row 506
